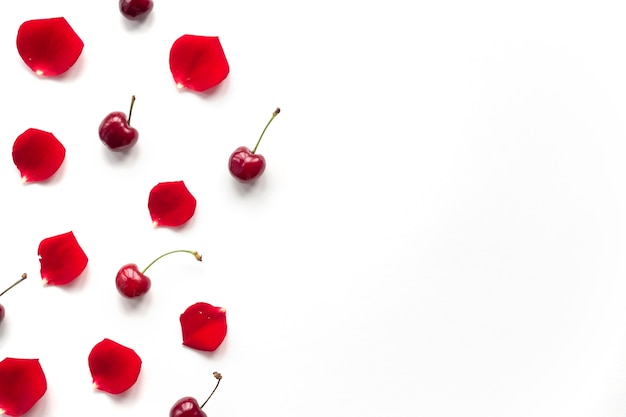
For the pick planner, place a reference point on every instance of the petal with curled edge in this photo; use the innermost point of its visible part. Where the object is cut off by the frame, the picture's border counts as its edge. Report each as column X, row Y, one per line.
column 203, row 326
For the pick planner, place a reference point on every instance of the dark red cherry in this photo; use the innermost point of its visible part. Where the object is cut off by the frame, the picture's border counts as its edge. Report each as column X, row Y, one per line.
column 135, row 9
column 116, row 132
column 2, row 312
column 188, row 406
column 131, row 282
column 245, row 164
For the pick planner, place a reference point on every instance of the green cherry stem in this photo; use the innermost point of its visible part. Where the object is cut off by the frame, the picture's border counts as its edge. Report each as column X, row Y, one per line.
column 14, row 284
column 130, row 112
column 194, row 253
column 266, row 126
column 217, row 376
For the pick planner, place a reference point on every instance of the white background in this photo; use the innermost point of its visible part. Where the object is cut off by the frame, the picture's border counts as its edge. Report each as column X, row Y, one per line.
column 439, row 230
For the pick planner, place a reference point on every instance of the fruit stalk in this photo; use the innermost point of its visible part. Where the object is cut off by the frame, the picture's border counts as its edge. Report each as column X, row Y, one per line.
column 266, row 126
column 14, row 284
column 217, row 376
column 130, row 112
column 194, row 253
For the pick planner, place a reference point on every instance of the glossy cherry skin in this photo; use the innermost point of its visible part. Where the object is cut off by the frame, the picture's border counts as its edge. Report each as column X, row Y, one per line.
column 135, row 9
column 1, row 313
column 115, row 132
column 246, row 166
column 187, row 407
column 130, row 282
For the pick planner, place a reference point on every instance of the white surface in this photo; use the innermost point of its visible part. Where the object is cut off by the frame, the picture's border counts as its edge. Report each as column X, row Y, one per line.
column 439, row 231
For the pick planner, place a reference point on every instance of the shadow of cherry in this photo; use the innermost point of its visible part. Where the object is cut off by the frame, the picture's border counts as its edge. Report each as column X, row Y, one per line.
column 135, row 305
column 247, row 189
column 127, row 156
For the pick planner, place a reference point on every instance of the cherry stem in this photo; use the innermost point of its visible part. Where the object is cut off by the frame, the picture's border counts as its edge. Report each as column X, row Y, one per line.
column 266, row 126
column 14, row 284
column 217, row 376
column 130, row 112
column 194, row 253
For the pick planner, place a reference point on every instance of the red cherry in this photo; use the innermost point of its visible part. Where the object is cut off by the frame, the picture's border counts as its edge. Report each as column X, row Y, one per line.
column 48, row 46
column 37, row 155
column 62, row 259
column 114, row 367
column 203, row 326
column 115, row 130
column 245, row 164
column 135, row 9
column 3, row 292
column 171, row 204
column 130, row 282
column 188, row 406
column 198, row 62
column 22, row 384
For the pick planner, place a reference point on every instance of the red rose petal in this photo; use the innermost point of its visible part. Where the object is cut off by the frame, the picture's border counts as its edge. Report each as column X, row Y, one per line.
column 37, row 155
column 198, row 62
column 171, row 204
column 22, row 384
column 48, row 46
column 62, row 259
column 114, row 367
column 203, row 326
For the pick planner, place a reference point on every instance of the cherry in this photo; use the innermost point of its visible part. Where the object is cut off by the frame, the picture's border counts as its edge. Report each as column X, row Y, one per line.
column 135, row 9
column 3, row 292
column 131, row 282
column 115, row 130
column 246, row 165
column 188, row 406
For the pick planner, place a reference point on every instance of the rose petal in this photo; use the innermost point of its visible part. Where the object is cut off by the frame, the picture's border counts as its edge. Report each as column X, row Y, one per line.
column 171, row 204
column 37, row 155
column 198, row 62
column 48, row 46
column 203, row 326
column 114, row 367
column 62, row 259
column 22, row 384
